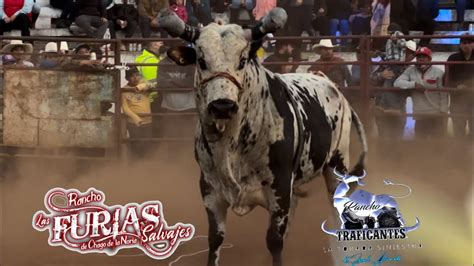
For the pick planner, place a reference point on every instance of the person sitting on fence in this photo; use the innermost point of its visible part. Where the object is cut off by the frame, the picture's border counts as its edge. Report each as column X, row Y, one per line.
column 122, row 15
column 92, row 18
column 17, row 49
column 67, row 8
column 460, row 77
column 148, row 11
column 136, row 105
column 386, row 102
column 429, row 107
column 16, row 14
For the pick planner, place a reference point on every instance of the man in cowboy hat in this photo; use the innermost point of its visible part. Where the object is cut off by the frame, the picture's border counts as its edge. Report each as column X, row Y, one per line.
column 18, row 49
column 339, row 74
column 425, row 76
column 50, row 56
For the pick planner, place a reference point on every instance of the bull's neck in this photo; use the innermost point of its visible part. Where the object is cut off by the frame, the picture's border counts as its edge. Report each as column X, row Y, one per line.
column 255, row 101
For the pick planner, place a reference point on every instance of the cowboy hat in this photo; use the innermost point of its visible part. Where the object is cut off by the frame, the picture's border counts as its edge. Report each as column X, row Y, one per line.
column 326, row 43
column 51, row 47
column 411, row 45
column 15, row 43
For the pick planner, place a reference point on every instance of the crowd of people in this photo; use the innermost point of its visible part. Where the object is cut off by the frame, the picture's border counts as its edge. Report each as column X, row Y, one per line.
column 322, row 17
column 97, row 18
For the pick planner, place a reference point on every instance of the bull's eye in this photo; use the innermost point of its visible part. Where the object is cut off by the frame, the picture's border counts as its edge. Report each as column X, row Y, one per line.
column 202, row 64
column 242, row 63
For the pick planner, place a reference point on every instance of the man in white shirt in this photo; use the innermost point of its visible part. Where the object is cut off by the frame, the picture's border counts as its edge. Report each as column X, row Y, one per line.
column 426, row 102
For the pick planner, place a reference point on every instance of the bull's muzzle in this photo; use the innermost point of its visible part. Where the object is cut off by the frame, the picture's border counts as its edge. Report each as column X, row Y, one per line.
column 222, row 108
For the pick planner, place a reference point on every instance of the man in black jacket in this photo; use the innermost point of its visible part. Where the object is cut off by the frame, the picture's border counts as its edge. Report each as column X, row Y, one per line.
column 123, row 17
column 460, row 77
column 92, row 17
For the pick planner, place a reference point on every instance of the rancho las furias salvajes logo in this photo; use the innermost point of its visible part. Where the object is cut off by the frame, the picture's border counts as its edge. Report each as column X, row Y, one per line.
column 367, row 216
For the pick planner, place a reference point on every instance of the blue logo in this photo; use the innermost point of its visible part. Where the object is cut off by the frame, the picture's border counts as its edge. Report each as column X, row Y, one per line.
column 367, row 216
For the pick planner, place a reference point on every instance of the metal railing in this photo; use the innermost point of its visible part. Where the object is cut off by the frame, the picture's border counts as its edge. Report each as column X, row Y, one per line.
column 365, row 89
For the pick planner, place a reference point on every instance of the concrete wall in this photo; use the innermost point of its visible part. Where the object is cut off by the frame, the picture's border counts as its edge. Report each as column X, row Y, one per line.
column 48, row 108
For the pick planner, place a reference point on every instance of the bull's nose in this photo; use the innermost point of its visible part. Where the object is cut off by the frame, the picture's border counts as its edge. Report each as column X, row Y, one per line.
column 223, row 108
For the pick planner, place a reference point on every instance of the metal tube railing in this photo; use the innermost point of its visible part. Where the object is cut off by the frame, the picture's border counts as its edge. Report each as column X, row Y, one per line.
column 365, row 88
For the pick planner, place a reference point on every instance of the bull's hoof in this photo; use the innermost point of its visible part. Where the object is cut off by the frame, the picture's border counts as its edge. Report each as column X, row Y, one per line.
column 277, row 261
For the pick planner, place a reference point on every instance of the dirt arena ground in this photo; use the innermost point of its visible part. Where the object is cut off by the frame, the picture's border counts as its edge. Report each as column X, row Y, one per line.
column 439, row 174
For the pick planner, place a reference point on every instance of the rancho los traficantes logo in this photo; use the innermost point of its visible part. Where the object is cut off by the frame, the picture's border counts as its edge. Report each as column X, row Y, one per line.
column 367, row 216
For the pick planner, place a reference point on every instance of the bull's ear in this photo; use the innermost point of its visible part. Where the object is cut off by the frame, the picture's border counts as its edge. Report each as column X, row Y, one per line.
column 182, row 55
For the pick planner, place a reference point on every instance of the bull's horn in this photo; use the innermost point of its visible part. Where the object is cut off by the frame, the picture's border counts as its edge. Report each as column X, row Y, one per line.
column 169, row 21
column 328, row 231
column 272, row 22
column 341, row 176
column 413, row 228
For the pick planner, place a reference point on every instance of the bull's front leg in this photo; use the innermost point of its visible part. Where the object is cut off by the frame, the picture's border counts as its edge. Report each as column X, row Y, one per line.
column 280, row 215
column 216, row 208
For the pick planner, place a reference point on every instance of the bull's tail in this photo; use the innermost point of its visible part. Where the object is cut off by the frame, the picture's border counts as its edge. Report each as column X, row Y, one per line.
column 359, row 167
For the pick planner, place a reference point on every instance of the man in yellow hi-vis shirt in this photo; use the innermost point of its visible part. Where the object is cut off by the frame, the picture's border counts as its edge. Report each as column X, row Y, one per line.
column 151, row 55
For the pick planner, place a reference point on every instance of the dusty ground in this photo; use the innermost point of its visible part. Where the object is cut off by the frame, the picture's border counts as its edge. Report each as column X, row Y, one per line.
column 440, row 175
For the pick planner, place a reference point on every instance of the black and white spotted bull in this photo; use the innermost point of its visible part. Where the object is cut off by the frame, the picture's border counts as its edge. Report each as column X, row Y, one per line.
column 260, row 135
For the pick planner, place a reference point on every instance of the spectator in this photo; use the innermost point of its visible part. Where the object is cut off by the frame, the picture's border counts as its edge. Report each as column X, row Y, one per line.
column 262, row 8
column 338, row 14
column 403, row 12
column 148, row 11
column 173, row 76
column 360, row 22
column 92, row 18
column 67, row 7
column 426, row 12
column 299, row 14
column 17, row 49
column 339, row 74
column 83, row 49
column 50, row 57
column 320, row 22
column 460, row 77
column 386, row 102
column 199, row 12
column 151, row 55
column 16, row 14
column 281, row 54
column 237, row 6
column 426, row 102
column 83, row 59
column 122, row 16
column 395, row 46
column 8, row 60
column 136, row 105
column 180, row 10
column 380, row 18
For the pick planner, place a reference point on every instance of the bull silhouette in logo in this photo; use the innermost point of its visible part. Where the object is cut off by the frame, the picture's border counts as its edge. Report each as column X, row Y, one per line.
column 362, row 209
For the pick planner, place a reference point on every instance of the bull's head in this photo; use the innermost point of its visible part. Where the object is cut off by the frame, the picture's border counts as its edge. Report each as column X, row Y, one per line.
column 222, row 54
